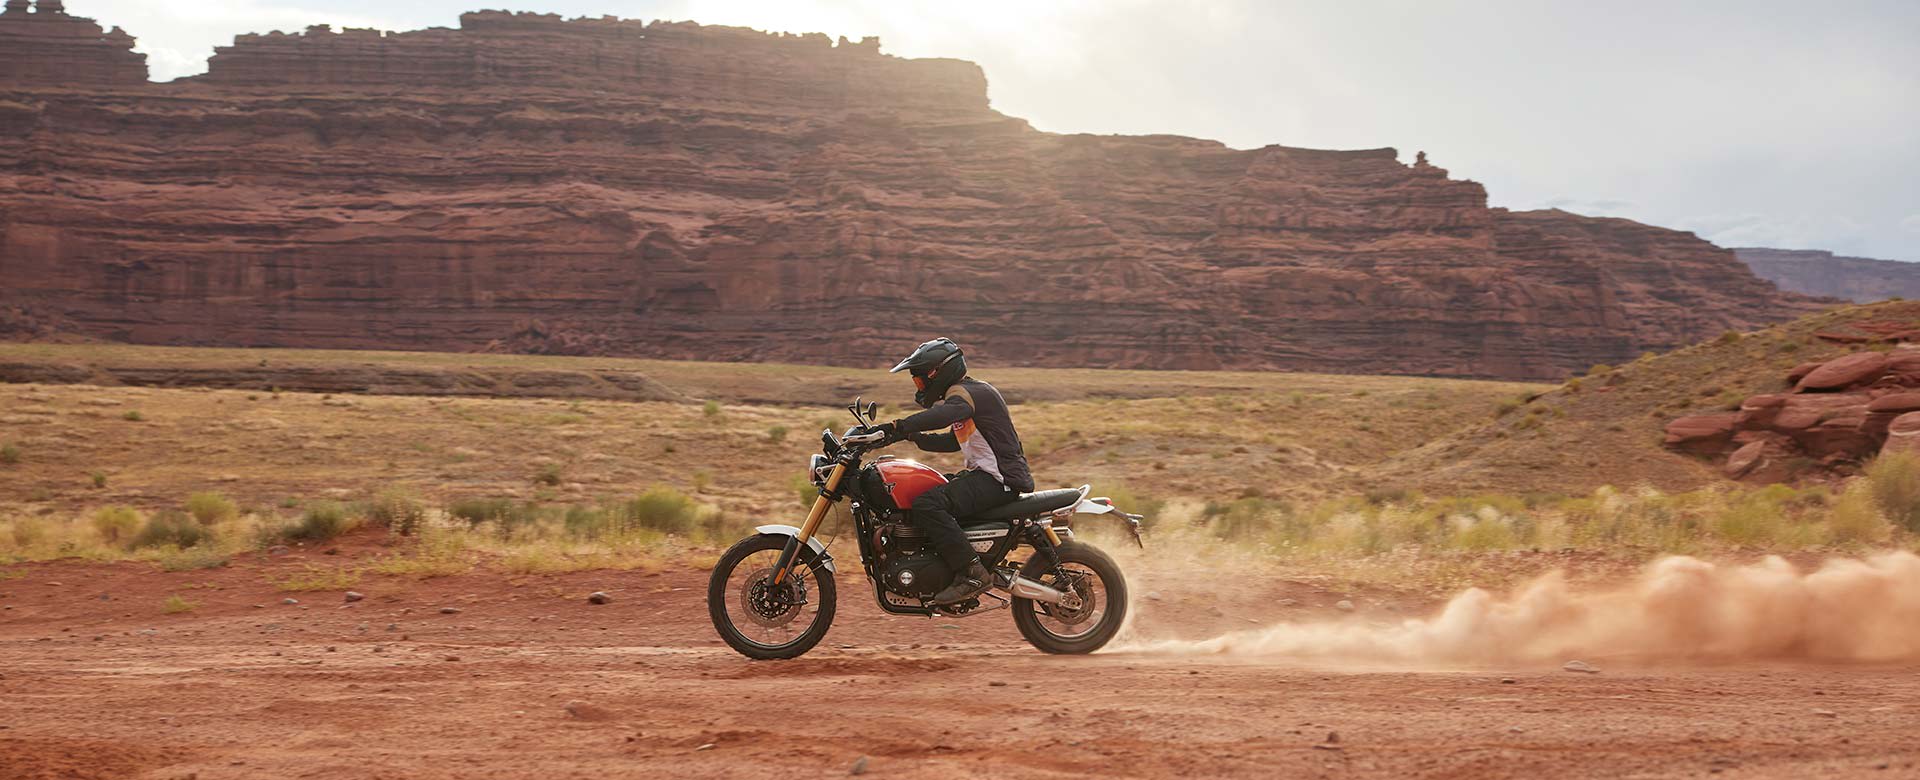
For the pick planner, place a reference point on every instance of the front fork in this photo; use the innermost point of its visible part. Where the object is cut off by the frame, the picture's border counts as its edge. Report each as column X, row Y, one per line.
column 828, row 494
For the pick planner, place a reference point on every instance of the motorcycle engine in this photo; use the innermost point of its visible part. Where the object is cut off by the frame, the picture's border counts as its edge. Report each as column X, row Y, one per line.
column 908, row 565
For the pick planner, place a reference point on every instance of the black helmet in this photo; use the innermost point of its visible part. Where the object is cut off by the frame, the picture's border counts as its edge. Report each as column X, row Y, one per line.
column 936, row 365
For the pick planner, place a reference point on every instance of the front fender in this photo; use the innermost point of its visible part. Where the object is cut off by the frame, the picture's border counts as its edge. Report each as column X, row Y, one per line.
column 819, row 550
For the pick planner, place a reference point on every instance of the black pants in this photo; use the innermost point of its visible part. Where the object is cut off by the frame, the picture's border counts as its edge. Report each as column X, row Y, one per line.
column 937, row 511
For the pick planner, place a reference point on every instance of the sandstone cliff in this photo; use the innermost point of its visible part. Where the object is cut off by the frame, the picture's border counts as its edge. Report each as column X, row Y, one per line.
column 46, row 46
column 1814, row 272
column 533, row 184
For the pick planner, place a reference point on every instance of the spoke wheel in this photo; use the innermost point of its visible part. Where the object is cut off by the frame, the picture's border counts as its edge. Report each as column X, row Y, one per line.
column 1089, row 574
column 763, row 620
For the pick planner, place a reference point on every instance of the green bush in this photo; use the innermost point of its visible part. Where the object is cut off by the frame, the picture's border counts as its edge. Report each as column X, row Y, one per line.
column 9, row 454
column 777, row 434
column 711, row 409
column 588, row 523
column 547, row 474
column 661, row 509
column 116, row 525
column 133, row 415
column 1854, row 517
column 211, row 508
column 99, row 479
column 496, row 510
column 396, row 510
column 172, row 528
column 1894, row 479
column 321, row 521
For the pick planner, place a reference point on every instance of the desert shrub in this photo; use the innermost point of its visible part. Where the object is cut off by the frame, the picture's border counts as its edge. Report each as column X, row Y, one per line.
column 661, row 509
column 322, row 521
column 777, row 434
column 211, row 508
column 803, row 489
column 175, row 605
column 584, row 522
column 1123, row 496
column 133, row 415
column 397, row 511
column 1599, row 369
column 9, row 454
column 1894, row 479
column 711, row 409
column 171, row 527
column 547, row 474
column 193, row 558
column 1250, row 519
column 1854, row 516
column 1754, row 519
column 508, row 516
column 1486, row 531
column 702, row 480
column 99, row 479
column 116, row 525
column 28, row 531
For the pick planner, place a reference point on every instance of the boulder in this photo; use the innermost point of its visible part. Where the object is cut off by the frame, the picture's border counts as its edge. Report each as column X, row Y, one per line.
column 1801, row 412
column 1859, row 368
column 1896, row 403
column 1759, row 411
column 1706, row 433
column 1801, row 371
column 1746, row 459
column 1903, row 434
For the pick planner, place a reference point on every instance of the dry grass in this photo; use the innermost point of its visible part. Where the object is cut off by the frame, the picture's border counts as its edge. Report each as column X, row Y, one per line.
column 311, row 578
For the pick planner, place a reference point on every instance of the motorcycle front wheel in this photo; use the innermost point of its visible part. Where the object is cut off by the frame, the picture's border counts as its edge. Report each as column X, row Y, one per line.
column 765, row 621
column 1088, row 572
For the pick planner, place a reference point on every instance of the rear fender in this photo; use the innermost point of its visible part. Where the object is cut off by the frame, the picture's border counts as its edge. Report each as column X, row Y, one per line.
column 820, row 557
column 1104, row 506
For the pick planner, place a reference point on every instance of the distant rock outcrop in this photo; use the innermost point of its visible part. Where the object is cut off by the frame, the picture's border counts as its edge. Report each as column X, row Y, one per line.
column 601, row 186
column 44, row 46
column 1825, row 274
column 1839, row 412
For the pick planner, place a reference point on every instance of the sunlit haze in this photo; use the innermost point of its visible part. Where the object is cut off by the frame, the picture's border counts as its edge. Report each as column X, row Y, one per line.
column 1777, row 124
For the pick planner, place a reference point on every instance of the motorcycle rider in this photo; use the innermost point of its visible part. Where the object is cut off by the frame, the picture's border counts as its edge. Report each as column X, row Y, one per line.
column 965, row 415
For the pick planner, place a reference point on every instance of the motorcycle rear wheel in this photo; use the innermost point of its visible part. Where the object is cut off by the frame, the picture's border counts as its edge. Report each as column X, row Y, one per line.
column 730, row 597
column 1080, row 631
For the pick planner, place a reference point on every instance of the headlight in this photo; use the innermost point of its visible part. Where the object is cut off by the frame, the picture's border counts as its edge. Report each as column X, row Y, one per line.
column 817, row 469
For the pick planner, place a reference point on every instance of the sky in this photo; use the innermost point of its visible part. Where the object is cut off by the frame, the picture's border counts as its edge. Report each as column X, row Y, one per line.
column 1750, row 122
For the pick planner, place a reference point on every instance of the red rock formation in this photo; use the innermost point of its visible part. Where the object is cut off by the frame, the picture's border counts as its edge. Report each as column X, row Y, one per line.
column 45, row 46
column 1841, row 412
column 1814, row 272
column 673, row 190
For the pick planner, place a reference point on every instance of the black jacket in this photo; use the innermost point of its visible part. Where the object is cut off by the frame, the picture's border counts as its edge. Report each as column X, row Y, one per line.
column 973, row 420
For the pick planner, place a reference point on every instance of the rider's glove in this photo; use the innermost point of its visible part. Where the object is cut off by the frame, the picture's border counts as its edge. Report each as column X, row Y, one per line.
column 892, row 430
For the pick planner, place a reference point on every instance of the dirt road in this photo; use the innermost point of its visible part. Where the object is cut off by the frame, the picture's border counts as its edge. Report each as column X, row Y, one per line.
column 97, row 682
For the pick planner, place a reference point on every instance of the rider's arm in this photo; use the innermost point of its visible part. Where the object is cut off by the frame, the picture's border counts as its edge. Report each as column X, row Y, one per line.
column 943, row 441
column 955, row 408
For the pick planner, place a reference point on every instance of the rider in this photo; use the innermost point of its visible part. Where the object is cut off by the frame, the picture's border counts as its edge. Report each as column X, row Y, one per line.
column 970, row 417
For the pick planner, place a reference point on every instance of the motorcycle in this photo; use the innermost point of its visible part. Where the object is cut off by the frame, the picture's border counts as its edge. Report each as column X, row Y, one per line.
column 772, row 595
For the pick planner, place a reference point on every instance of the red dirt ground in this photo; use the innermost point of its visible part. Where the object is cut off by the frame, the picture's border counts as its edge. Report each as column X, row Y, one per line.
column 97, row 682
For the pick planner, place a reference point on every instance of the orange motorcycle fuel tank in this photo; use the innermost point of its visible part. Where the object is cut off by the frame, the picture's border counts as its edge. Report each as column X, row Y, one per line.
column 906, row 479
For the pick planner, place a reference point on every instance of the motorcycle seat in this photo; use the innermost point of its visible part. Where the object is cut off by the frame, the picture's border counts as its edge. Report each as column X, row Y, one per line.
column 1030, row 504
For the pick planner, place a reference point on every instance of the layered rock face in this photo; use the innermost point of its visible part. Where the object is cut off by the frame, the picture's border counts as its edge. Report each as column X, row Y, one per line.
column 531, row 184
column 1858, row 279
column 45, row 46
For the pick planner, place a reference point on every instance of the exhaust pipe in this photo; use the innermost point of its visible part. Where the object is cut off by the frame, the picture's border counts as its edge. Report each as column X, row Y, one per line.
column 1028, row 589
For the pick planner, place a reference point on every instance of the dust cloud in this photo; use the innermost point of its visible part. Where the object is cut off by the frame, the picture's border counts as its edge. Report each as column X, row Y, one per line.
column 1677, row 608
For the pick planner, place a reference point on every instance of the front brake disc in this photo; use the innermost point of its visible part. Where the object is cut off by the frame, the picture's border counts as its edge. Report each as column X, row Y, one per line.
column 763, row 601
